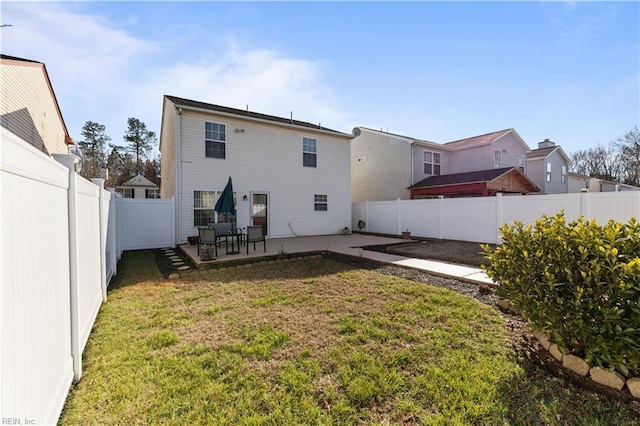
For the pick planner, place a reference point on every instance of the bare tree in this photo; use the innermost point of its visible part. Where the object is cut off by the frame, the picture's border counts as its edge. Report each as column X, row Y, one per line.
column 629, row 148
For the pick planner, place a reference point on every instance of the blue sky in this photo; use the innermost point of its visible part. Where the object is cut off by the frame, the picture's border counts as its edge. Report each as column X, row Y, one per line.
column 440, row 71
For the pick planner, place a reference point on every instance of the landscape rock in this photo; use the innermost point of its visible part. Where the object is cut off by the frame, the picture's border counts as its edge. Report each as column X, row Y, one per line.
column 184, row 268
column 542, row 339
column 504, row 304
column 575, row 364
column 174, row 276
column 634, row 386
column 555, row 351
column 609, row 378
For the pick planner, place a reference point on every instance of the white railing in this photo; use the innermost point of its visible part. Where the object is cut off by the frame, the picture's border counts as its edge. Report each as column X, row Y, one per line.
column 479, row 219
column 60, row 248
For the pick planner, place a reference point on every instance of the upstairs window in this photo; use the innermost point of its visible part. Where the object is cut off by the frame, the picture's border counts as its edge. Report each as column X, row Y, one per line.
column 309, row 152
column 548, row 172
column 214, row 140
column 564, row 174
column 432, row 163
column 497, row 158
column 521, row 163
column 320, row 203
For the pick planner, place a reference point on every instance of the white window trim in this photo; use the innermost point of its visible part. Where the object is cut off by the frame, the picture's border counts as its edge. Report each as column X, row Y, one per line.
column 224, row 142
column 432, row 163
column 497, row 158
column 318, row 202
column 564, row 174
column 521, row 163
column 548, row 172
column 314, row 153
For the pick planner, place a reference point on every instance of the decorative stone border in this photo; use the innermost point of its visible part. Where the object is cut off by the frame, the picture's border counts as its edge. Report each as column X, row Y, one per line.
column 600, row 375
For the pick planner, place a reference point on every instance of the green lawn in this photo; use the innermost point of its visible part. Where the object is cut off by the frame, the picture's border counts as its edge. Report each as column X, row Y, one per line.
column 310, row 342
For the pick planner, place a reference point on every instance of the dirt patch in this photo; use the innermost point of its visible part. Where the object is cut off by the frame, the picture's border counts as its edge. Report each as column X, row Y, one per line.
column 460, row 252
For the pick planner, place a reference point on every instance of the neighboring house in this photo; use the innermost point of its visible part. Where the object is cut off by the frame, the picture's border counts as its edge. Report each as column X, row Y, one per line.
column 385, row 166
column 578, row 182
column 139, row 187
column 28, row 105
column 291, row 177
column 547, row 167
column 484, row 183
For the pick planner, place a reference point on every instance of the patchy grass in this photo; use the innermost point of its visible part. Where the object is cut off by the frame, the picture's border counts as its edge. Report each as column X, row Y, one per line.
column 310, row 342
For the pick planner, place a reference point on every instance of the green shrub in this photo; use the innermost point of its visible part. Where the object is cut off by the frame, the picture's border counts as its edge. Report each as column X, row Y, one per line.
column 578, row 282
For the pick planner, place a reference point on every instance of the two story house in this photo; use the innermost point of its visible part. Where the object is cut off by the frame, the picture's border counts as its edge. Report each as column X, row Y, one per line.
column 28, row 105
column 547, row 167
column 388, row 166
column 292, row 177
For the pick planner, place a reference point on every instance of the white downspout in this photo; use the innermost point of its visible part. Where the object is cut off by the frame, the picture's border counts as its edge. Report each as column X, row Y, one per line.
column 178, row 201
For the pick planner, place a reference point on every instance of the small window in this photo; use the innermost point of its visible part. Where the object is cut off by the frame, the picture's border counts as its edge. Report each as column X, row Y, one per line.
column 320, row 203
column 214, row 140
column 548, row 172
column 432, row 163
column 497, row 158
column 521, row 163
column 564, row 174
column 203, row 204
column 127, row 193
column 309, row 152
column 152, row 193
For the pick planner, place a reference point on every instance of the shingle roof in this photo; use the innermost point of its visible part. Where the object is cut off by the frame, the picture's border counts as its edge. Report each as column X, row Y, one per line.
column 15, row 58
column 458, row 178
column 139, row 180
column 541, row 152
column 478, row 140
column 250, row 114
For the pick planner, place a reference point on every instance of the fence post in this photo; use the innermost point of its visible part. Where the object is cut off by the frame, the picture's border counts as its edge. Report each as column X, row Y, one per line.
column 399, row 213
column 69, row 161
column 440, row 215
column 366, row 215
column 103, row 238
column 584, row 203
column 498, row 216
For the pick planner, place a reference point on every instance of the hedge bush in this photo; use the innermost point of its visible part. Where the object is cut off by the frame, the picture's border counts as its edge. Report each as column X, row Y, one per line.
column 577, row 282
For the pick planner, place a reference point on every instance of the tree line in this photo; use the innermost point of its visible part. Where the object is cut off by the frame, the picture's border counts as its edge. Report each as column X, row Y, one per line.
column 121, row 161
column 618, row 161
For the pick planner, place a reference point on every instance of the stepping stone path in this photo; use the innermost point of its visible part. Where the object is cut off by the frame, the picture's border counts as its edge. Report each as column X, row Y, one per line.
column 176, row 261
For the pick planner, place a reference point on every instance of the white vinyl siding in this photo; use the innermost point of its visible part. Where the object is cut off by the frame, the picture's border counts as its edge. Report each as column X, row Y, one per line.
column 380, row 165
column 265, row 158
column 28, row 108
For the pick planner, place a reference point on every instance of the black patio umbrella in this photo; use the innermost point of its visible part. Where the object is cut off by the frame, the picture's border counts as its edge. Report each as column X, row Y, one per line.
column 225, row 205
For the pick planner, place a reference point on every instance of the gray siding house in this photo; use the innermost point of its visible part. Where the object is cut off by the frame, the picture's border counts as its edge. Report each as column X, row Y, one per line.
column 547, row 167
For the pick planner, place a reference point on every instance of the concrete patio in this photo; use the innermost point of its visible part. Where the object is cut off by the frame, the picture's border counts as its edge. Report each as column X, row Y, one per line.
column 343, row 244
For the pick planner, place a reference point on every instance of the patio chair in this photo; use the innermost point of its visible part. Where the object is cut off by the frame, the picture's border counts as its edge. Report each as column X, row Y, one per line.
column 254, row 235
column 207, row 236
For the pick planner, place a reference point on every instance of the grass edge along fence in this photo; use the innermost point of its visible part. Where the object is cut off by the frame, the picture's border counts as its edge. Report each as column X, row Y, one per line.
column 578, row 283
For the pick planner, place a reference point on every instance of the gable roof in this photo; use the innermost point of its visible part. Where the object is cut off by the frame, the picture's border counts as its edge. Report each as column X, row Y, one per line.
column 139, row 180
column 14, row 60
column 545, row 152
column 479, row 140
column 254, row 116
column 422, row 142
column 458, row 178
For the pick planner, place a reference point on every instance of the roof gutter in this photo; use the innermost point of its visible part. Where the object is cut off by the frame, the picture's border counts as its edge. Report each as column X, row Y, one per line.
column 268, row 122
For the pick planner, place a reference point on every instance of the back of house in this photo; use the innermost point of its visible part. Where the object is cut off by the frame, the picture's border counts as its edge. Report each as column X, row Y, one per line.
column 289, row 176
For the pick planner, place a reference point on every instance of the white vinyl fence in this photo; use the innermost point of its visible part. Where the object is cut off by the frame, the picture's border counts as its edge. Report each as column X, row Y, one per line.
column 478, row 219
column 60, row 249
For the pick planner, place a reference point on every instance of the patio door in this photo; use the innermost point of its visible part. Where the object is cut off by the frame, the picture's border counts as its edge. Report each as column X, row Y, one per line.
column 260, row 210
